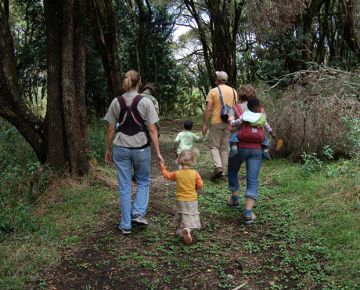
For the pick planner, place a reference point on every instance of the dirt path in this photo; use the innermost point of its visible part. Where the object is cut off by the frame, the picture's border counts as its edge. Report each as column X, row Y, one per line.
column 225, row 254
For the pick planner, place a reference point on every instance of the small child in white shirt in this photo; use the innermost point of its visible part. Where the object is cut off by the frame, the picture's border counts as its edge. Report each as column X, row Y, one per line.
column 185, row 139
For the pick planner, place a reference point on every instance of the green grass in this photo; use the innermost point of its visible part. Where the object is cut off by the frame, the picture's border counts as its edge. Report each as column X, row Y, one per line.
column 34, row 232
column 311, row 222
column 323, row 212
column 60, row 221
column 307, row 234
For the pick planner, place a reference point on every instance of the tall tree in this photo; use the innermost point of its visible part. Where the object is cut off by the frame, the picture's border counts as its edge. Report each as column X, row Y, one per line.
column 60, row 139
column 149, row 47
column 351, row 25
column 221, row 19
column 103, row 21
column 12, row 106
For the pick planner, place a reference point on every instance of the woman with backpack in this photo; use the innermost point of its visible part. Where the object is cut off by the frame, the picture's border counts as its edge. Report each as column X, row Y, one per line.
column 136, row 117
column 249, row 150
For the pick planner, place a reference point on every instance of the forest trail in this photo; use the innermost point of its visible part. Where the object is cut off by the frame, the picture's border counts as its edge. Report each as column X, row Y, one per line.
column 225, row 253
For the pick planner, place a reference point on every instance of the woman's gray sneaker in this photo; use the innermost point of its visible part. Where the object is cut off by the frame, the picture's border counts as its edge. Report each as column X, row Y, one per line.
column 138, row 219
column 125, row 231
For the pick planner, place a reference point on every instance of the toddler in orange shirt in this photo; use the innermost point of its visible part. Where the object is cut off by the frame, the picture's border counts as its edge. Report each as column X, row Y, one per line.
column 188, row 181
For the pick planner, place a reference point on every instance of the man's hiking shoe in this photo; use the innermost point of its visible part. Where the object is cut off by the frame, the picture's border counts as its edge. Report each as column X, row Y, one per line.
column 249, row 217
column 218, row 171
column 266, row 154
column 234, row 201
column 186, row 233
column 138, row 219
column 125, row 231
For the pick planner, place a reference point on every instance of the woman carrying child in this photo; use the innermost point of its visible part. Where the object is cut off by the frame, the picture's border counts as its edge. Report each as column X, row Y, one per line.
column 188, row 181
column 250, row 135
column 245, row 93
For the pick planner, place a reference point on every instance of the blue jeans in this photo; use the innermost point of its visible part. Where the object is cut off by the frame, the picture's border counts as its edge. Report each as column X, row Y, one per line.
column 125, row 159
column 253, row 159
column 266, row 141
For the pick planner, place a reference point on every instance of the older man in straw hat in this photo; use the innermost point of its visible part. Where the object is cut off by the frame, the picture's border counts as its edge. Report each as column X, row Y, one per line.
column 219, row 133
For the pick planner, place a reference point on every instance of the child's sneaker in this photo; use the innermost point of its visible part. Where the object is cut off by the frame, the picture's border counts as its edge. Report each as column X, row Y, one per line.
column 266, row 154
column 186, row 233
column 234, row 201
column 249, row 217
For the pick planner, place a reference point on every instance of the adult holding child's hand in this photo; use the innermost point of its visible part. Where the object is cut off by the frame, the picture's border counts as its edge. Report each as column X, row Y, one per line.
column 132, row 118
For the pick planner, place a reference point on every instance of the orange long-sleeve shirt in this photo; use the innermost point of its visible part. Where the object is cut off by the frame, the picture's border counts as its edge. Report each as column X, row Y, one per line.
column 187, row 182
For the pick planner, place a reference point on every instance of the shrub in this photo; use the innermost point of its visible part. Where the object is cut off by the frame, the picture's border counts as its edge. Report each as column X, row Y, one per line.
column 97, row 132
column 311, row 163
column 312, row 111
column 17, row 158
column 353, row 136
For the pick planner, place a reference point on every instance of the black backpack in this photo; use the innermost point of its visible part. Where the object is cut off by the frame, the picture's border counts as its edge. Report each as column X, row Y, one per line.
column 130, row 122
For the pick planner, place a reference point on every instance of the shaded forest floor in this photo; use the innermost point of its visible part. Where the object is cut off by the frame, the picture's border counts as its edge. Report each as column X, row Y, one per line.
column 288, row 247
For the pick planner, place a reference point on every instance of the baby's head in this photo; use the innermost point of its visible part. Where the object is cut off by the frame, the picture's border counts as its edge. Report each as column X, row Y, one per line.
column 254, row 105
column 188, row 157
column 188, row 124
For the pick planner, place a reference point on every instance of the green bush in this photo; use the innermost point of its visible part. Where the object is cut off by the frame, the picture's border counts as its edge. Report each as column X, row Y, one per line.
column 353, row 136
column 17, row 163
column 311, row 164
column 97, row 132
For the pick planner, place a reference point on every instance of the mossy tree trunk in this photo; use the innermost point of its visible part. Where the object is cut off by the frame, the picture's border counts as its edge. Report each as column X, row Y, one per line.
column 61, row 138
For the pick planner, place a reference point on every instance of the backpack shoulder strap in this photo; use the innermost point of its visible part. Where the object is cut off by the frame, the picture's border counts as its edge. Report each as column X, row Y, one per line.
column 123, row 106
column 135, row 111
column 221, row 97
column 234, row 97
column 238, row 110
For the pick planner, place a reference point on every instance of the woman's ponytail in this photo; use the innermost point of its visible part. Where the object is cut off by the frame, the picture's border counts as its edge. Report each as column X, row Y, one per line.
column 131, row 80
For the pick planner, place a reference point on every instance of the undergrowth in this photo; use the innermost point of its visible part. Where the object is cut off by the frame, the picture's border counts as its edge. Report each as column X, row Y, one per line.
column 17, row 161
column 35, row 228
column 306, row 236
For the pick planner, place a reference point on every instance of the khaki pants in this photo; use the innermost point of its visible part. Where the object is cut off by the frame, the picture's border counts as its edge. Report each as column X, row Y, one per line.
column 218, row 143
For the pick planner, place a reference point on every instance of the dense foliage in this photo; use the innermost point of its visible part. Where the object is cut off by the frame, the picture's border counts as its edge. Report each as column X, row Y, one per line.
column 303, row 56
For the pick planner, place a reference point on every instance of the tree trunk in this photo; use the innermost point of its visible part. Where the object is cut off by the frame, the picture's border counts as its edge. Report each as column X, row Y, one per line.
column 63, row 141
column 142, row 22
column 350, row 34
column 104, row 33
column 72, row 116
column 191, row 6
column 56, row 147
column 6, row 8
column 80, row 56
column 12, row 107
column 224, row 27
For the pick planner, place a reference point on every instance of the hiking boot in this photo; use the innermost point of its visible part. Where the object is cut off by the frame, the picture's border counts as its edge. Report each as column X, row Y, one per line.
column 186, row 233
column 249, row 217
column 234, row 201
column 125, row 231
column 218, row 171
column 138, row 219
